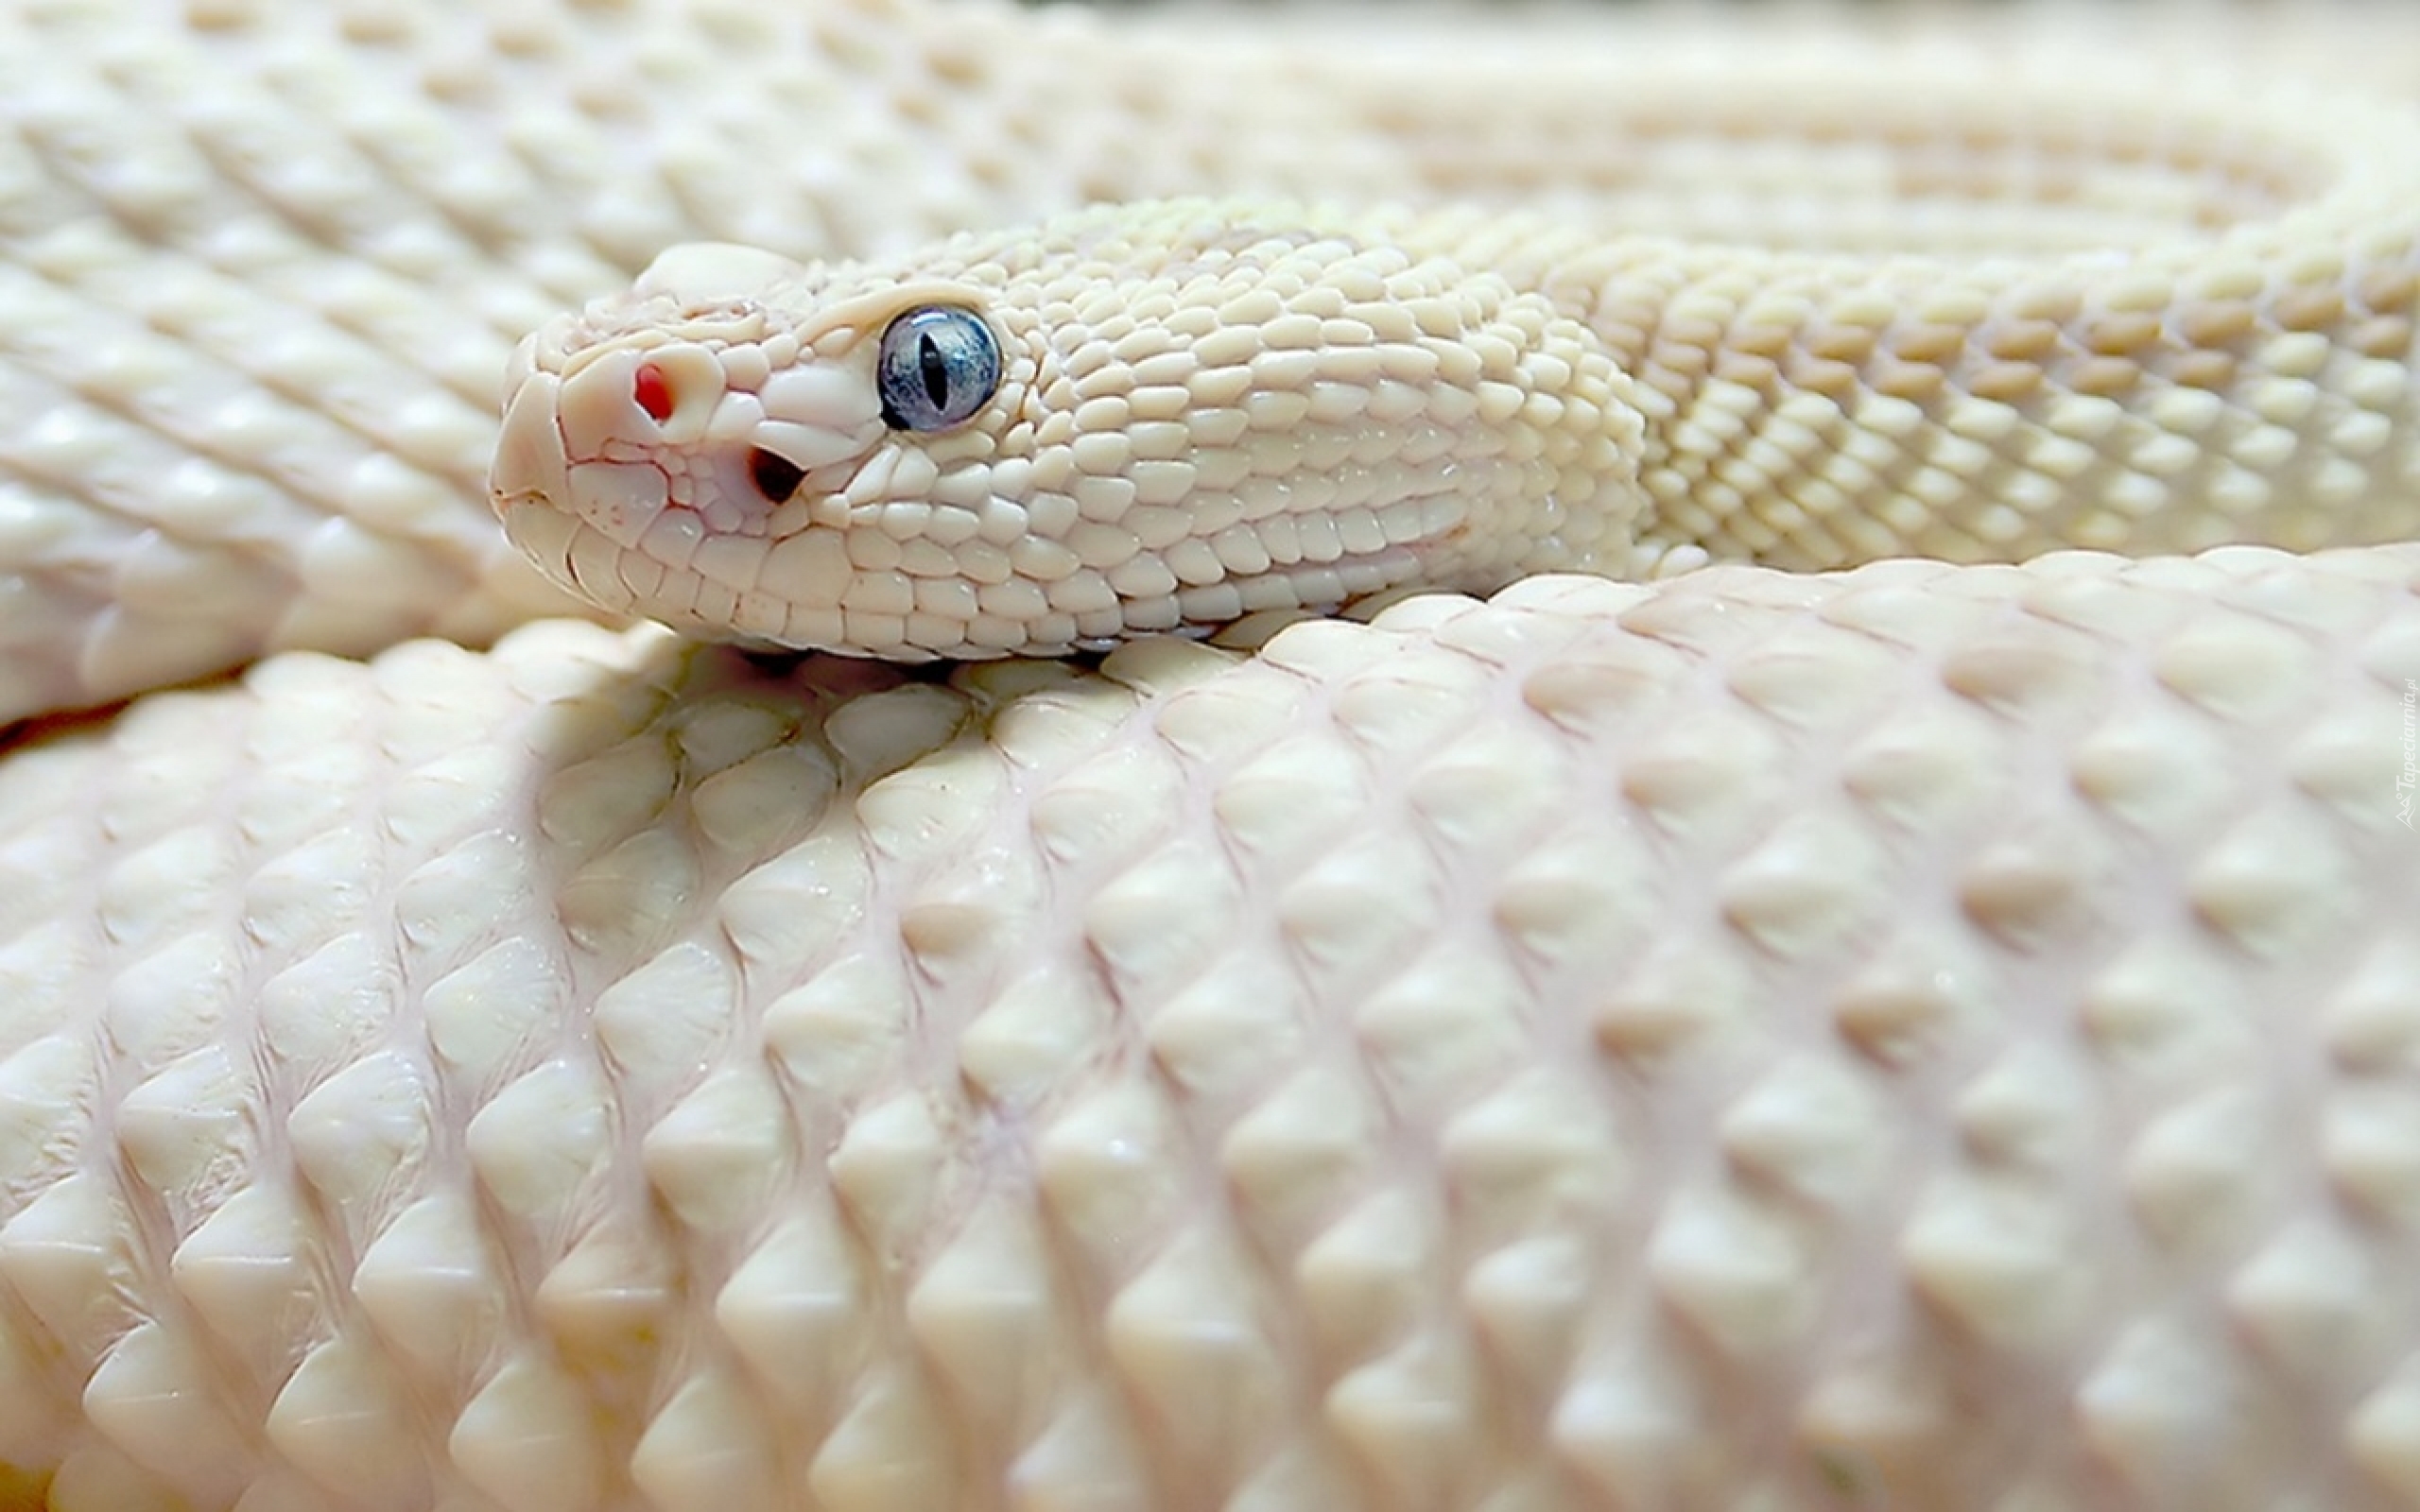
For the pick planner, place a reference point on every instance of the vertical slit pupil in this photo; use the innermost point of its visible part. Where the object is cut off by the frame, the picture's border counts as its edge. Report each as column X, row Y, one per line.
column 934, row 368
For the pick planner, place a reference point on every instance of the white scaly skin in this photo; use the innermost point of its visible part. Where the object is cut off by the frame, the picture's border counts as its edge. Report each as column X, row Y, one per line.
column 260, row 268
column 1209, row 408
column 1294, row 419
column 1924, row 1037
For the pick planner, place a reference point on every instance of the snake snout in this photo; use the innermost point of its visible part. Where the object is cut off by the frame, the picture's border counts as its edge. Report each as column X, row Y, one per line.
column 529, row 465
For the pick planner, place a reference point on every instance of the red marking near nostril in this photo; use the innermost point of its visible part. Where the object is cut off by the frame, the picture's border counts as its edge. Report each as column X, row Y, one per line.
column 653, row 392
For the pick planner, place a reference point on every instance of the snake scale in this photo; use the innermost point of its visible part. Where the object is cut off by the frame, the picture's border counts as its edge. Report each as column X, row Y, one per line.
column 1842, row 1004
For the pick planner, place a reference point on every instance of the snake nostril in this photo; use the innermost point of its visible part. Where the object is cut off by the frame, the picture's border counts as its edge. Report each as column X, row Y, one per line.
column 653, row 392
column 776, row 476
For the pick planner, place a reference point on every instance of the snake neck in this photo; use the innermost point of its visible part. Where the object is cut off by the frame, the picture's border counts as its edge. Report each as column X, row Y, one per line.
column 1815, row 411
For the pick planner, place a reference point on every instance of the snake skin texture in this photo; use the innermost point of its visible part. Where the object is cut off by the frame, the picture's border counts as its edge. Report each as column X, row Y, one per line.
column 1905, row 1037
column 262, row 271
column 1917, row 1038
column 1208, row 409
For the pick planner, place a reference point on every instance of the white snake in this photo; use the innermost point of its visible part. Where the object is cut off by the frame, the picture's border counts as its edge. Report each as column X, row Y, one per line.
column 1923, row 1036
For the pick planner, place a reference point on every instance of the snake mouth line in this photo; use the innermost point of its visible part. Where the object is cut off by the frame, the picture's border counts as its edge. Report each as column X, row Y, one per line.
column 711, row 593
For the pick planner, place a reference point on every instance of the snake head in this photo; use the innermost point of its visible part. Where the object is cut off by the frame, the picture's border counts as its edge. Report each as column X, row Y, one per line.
column 701, row 447
column 1124, row 422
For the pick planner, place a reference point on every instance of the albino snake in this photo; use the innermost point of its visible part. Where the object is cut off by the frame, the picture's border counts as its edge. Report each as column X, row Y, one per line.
column 1922, row 1036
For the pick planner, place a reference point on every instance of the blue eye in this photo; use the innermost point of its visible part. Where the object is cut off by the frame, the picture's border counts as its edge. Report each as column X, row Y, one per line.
column 939, row 365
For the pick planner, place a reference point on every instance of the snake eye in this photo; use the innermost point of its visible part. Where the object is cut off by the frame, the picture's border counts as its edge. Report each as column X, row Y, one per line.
column 939, row 365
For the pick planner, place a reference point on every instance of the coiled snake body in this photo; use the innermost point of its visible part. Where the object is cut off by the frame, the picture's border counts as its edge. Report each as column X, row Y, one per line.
column 1851, row 1005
